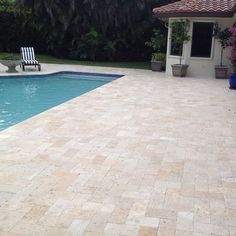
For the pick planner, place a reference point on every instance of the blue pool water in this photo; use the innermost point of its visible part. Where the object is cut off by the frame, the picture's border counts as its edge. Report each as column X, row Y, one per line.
column 22, row 97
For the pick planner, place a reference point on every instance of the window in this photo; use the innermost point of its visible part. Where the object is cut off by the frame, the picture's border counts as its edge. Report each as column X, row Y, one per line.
column 202, row 39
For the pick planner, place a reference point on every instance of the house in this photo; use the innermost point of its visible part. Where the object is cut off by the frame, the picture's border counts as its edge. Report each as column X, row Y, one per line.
column 202, row 52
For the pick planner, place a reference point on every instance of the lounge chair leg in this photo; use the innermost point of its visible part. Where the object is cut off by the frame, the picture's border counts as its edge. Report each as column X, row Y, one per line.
column 39, row 66
column 23, row 67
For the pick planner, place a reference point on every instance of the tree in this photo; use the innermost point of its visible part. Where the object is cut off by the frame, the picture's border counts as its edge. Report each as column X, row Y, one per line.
column 125, row 25
column 223, row 36
column 180, row 34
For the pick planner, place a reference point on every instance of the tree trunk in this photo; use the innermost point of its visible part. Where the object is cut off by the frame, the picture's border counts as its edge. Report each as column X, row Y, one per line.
column 221, row 56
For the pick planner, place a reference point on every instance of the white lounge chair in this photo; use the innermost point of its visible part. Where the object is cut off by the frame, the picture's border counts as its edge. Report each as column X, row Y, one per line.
column 28, row 58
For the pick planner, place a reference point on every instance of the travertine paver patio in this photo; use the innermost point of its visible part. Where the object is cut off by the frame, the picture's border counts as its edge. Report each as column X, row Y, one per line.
column 143, row 155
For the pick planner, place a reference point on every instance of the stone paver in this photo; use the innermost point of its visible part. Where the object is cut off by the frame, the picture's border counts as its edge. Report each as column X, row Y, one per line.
column 143, row 155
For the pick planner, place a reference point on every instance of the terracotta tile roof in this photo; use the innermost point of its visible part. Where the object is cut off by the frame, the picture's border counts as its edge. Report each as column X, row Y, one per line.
column 217, row 8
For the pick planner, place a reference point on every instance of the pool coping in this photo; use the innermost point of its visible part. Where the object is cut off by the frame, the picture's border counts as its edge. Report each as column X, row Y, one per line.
column 116, row 76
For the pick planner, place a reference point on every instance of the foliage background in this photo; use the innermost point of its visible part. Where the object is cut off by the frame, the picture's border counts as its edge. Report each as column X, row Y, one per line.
column 101, row 30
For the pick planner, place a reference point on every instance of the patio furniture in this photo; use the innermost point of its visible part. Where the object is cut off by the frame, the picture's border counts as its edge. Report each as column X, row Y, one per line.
column 28, row 58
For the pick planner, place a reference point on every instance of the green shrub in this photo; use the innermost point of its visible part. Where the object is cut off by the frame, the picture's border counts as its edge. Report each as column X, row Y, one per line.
column 157, row 41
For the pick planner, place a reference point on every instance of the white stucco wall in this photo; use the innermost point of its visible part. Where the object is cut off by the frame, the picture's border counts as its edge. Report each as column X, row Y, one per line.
column 200, row 67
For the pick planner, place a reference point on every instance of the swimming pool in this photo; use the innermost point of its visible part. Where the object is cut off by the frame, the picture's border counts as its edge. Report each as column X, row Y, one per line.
column 22, row 97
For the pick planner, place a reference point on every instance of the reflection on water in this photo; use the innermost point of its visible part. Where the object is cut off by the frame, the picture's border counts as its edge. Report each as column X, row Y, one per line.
column 30, row 89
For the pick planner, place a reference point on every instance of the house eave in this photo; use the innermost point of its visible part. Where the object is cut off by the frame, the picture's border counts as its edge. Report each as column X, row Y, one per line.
column 193, row 14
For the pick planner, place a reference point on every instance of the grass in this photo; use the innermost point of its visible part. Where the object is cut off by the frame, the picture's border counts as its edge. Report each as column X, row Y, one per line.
column 54, row 60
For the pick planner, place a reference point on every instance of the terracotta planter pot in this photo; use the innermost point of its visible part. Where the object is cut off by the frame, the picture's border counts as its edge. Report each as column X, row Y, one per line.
column 156, row 65
column 179, row 70
column 221, row 72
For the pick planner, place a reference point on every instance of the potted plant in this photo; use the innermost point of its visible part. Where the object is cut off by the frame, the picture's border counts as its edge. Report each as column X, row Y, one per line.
column 222, row 35
column 179, row 36
column 157, row 43
column 158, row 61
column 11, row 62
column 232, row 43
